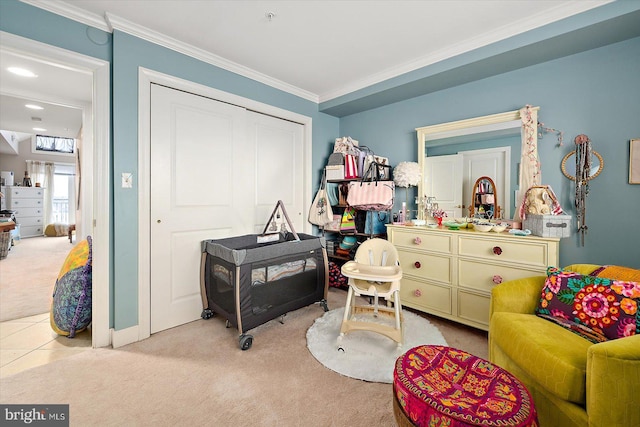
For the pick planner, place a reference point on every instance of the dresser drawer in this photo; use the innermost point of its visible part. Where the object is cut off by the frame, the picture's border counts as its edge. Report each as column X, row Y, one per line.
column 27, row 193
column 26, row 212
column 31, row 231
column 480, row 276
column 474, row 307
column 425, row 295
column 30, row 220
column 16, row 204
column 521, row 252
column 411, row 239
column 426, row 266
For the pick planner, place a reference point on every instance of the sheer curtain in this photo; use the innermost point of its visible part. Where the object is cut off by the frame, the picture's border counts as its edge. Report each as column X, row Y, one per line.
column 42, row 172
column 530, row 171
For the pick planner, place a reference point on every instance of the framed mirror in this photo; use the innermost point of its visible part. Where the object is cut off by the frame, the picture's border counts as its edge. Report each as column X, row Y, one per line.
column 569, row 165
column 472, row 130
column 484, row 200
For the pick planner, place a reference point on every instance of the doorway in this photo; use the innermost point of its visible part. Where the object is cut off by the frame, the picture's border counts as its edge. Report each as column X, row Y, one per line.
column 94, row 201
column 145, row 222
column 221, row 169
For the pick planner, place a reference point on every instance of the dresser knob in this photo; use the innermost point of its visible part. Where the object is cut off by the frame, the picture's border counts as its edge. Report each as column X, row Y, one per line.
column 417, row 264
column 497, row 250
column 417, row 240
column 417, row 293
column 497, row 279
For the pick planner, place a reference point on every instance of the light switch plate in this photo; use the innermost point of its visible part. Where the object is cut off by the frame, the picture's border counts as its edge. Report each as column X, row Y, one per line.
column 127, row 180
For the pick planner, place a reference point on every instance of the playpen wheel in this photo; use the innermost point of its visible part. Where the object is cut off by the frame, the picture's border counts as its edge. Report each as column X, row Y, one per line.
column 246, row 341
column 207, row 313
column 227, row 324
column 324, row 305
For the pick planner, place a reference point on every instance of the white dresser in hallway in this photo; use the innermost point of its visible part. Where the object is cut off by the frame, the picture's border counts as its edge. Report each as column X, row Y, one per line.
column 450, row 273
column 28, row 204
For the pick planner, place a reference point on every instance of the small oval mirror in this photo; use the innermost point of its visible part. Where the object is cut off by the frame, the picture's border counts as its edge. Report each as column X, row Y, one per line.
column 569, row 165
column 484, row 203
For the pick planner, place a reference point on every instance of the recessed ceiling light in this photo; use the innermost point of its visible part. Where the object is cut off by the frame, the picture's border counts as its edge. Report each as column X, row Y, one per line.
column 40, row 129
column 22, row 72
column 34, row 106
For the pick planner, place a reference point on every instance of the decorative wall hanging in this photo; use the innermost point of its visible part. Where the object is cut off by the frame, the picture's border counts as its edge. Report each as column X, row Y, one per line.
column 542, row 130
column 583, row 171
column 529, row 164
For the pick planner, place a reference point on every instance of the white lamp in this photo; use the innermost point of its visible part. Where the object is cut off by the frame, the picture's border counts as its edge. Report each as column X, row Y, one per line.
column 405, row 175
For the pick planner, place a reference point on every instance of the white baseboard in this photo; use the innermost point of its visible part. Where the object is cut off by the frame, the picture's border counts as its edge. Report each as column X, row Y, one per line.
column 124, row 336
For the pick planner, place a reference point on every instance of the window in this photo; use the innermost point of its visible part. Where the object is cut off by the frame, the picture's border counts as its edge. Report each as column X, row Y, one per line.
column 63, row 200
column 54, row 144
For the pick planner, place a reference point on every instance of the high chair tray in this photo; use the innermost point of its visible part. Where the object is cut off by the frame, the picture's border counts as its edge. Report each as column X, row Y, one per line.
column 371, row 272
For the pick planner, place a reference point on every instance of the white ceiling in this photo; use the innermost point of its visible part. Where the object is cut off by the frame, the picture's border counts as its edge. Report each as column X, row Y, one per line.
column 60, row 91
column 317, row 49
column 328, row 48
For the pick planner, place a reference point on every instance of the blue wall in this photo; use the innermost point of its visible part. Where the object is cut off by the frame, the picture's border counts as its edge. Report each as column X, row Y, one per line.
column 596, row 93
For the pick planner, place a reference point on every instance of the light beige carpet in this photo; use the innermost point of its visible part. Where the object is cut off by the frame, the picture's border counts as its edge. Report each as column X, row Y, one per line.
column 195, row 374
column 28, row 275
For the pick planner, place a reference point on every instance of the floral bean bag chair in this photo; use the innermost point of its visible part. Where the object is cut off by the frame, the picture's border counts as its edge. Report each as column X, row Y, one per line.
column 71, row 306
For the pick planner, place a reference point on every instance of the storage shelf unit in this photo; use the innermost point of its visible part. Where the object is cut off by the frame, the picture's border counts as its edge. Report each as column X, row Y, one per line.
column 28, row 204
column 339, row 210
column 450, row 273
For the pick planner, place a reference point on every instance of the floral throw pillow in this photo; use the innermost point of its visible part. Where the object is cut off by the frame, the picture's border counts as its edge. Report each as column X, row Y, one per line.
column 607, row 307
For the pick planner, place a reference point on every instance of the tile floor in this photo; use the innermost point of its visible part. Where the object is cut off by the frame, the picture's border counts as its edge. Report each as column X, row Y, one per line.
column 29, row 342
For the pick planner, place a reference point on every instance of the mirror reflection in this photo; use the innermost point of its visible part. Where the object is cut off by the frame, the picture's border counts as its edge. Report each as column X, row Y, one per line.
column 484, row 203
column 569, row 165
column 481, row 132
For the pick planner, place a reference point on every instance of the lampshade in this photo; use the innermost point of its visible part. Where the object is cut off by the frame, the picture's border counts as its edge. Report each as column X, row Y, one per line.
column 406, row 174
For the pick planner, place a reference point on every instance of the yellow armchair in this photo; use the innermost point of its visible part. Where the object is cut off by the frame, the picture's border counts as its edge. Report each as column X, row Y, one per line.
column 573, row 382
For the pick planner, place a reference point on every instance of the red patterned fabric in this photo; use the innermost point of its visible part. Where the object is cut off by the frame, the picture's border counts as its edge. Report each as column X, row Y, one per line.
column 443, row 386
column 336, row 278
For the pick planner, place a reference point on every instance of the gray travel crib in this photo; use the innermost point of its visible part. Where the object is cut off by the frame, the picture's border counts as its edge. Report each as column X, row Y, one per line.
column 252, row 279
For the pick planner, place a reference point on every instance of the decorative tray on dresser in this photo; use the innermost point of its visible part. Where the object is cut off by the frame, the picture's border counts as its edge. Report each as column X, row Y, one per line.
column 450, row 273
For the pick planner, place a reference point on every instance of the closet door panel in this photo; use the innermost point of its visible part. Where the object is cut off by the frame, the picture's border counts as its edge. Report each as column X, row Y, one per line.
column 197, row 151
column 278, row 148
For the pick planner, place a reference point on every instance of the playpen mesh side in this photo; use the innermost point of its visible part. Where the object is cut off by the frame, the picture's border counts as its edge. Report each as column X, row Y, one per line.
column 220, row 285
column 263, row 289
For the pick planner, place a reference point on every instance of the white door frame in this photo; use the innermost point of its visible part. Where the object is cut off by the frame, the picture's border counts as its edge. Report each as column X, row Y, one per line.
column 95, row 160
column 145, row 78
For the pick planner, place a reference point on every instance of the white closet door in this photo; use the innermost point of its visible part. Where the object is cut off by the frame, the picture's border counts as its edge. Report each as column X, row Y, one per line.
column 201, row 170
column 217, row 171
column 443, row 180
column 278, row 155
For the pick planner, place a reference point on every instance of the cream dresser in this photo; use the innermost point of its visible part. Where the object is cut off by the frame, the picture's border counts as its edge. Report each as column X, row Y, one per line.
column 28, row 204
column 450, row 273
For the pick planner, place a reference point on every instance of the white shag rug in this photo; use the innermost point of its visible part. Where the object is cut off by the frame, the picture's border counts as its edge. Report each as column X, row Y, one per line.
column 367, row 355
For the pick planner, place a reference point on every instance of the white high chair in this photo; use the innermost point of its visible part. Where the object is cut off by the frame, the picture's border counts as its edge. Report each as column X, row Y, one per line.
column 374, row 272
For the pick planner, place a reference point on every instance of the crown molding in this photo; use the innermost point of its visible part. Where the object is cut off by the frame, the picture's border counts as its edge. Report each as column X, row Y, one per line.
column 110, row 22
column 70, row 11
column 121, row 24
column 523, row 25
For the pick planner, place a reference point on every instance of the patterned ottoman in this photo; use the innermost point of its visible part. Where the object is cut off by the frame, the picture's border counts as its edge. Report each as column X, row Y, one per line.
column 443, row 386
